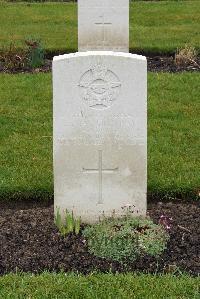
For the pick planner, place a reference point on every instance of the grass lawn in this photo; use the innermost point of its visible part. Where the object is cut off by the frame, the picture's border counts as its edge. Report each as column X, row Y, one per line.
column 98, row 286
column 26, row 135
column 154, row 26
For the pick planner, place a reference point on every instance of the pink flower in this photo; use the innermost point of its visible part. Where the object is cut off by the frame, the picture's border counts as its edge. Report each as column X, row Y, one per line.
column 165, row 221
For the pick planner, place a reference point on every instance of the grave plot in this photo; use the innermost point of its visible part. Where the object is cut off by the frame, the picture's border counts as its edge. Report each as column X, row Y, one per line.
column 171, row 157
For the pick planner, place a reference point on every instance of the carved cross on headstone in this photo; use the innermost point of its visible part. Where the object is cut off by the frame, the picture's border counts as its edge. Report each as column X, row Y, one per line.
column 100, row 170
column 104, row 25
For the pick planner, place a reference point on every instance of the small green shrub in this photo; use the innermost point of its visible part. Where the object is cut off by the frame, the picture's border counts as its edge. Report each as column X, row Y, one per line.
column 126, row 238
column 35, row 53
column 69, row 225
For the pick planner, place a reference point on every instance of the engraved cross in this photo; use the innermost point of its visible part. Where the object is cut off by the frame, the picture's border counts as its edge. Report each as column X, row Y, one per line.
column 100, row 170
column 103, row 23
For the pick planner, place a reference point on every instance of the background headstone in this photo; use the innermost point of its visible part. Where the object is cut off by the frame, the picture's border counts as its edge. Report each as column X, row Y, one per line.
column 100, row 127
column 103, row 25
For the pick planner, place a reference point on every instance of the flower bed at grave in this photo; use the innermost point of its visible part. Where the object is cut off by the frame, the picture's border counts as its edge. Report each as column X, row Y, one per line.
column 31, row 242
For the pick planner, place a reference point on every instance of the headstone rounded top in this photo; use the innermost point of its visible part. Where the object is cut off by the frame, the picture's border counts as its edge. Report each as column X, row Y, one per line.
column 99, row 53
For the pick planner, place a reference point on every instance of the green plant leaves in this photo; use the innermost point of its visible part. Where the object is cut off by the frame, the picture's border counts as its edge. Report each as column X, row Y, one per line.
column 35, row 53
column 69, row 224
column 125, row 239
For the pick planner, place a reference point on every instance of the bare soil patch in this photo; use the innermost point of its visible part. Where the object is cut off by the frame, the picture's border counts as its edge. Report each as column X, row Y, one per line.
column 30, row 242
column 167, row 64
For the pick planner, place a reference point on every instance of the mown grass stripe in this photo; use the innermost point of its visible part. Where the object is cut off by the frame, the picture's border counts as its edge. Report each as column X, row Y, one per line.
column 98, row 286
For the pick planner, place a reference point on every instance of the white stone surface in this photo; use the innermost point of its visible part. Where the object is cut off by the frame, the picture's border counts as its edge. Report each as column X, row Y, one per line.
column 100, row 133
column 103, row 25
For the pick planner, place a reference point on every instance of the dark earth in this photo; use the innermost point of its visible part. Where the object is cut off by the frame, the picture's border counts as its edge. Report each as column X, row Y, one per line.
column 155, row 64
column 30, row 242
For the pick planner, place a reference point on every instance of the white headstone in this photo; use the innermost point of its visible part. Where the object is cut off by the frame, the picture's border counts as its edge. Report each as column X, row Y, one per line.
column 100, row 133
column 103, row 25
